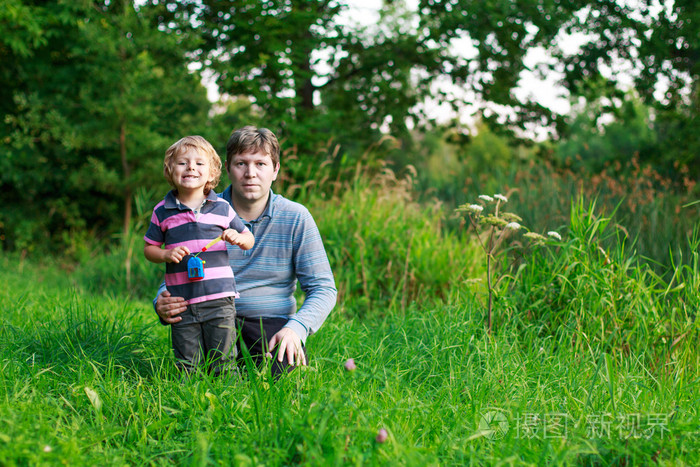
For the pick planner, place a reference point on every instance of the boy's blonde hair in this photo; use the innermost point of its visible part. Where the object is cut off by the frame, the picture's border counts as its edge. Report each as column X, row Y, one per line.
column 203, row 147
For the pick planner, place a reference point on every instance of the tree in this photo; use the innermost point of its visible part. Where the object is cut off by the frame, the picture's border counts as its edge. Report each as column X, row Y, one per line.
column 657, row 43
column 593, row 144
column 311, row 77
column 93, row 108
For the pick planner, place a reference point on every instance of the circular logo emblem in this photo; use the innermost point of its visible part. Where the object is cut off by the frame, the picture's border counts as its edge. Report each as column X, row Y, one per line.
column 493, row 424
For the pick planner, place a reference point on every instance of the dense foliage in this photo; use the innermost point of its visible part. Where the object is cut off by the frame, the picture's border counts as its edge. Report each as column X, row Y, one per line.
column 90, row 106
column 92, row 92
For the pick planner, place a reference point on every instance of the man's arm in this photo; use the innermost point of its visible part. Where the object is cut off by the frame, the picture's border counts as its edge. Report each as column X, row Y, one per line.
column 313, row 271
column 314, row 274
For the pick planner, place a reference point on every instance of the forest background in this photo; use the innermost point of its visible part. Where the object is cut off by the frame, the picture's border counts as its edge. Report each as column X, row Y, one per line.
column 93, row 92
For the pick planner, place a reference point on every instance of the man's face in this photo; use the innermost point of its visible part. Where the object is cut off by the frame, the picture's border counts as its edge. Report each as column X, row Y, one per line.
column 252, row 175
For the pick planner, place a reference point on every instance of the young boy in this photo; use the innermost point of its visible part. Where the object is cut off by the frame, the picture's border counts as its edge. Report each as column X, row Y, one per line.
column 185, row 222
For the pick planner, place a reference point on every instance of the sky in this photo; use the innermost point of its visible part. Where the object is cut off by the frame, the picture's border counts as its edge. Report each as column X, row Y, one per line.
column 544, row 91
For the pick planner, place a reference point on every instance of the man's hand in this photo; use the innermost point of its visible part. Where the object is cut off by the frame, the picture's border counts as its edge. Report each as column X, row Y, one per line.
column 289, row 344
column 168, row 307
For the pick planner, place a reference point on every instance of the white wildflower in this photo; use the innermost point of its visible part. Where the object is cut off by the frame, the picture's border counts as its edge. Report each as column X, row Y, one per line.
column 554, row 234
column 501, row 197
column 513, row 226
column 486, row 198
column 475, row 208
column 47, row 448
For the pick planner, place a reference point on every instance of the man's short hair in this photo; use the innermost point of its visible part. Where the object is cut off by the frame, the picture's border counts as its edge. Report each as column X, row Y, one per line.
column 250, row 139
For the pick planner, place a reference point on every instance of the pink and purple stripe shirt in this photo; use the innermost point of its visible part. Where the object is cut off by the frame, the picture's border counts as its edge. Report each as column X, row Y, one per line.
column 174, row 224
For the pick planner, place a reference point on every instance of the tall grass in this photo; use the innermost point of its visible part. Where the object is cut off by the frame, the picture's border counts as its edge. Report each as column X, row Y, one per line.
column 387, row 250
column 647, row 206
column 605, row 298
column 427, row 374
column 656, row 212
column 586, row 337
column 374, row 208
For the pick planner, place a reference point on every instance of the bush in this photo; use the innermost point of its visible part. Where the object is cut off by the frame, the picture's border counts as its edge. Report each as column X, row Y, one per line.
column 386, row 250
column 590, row 295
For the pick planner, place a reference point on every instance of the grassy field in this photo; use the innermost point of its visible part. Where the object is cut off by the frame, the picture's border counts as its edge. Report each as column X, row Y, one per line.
column 88, row 379
column 593, row 358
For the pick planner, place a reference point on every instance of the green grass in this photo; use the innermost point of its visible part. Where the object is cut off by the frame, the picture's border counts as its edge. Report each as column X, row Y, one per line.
column 593, row 359
column 88, row 379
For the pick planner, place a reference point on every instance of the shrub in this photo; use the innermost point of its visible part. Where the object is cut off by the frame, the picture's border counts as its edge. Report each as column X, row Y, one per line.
column 591, row 295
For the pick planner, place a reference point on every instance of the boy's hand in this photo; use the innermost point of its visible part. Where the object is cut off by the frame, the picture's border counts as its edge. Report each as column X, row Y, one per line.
column 244, row 240
column 230, row 236
column 176, row 254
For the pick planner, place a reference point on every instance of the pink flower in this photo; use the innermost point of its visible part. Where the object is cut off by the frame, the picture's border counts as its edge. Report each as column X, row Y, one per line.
column 382, row 435
column 350, row 365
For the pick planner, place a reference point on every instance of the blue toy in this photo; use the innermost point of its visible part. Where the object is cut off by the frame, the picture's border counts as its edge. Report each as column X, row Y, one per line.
column 195, row 265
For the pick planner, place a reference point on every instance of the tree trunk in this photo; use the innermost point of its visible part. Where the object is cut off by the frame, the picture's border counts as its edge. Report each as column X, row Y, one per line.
column 304, row 87
column 126, row 225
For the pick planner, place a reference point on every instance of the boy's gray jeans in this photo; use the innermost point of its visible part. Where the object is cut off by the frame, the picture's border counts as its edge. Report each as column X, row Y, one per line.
column 206, row 335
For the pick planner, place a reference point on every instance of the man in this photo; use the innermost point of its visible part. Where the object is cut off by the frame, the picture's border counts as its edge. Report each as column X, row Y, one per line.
column 288, row 247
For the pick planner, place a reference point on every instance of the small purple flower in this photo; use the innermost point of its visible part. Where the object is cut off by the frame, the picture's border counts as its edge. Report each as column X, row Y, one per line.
column 350, row 365
column 382, row 435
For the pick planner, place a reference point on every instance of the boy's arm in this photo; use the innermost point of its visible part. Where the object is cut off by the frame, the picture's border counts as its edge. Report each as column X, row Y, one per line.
column 156, row 254
column 153, row 253
column 237, row 232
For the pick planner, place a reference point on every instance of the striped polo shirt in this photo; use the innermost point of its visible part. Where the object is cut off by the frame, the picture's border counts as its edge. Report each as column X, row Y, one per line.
column 173, row 224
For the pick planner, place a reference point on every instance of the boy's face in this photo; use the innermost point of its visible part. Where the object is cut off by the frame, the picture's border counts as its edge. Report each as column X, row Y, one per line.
column 252, row 175
column 191, row 171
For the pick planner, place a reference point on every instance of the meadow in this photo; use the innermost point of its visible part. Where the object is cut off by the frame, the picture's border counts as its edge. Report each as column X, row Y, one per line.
column 593, row 357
